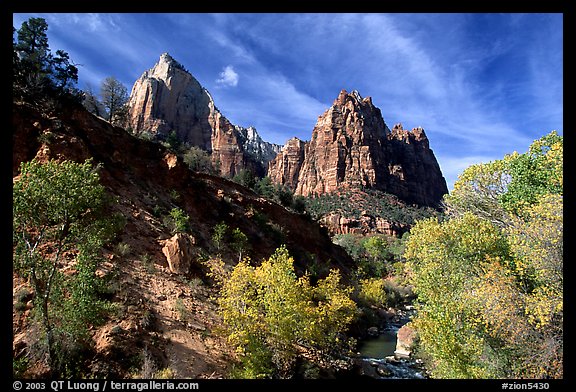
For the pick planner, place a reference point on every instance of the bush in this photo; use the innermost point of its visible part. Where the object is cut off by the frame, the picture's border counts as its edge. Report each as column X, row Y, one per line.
column 265, row 188
column 177, row 221
column 122, row 249
column 199, row 160
column 246, row 178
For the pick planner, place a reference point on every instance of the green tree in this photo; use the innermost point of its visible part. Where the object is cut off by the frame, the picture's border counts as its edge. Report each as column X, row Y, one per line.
column 372, row 292
column 33, row 52
column 283, row 195
column 490, row 279
column 535, row 173
column 219, row 234
column 92, row 103
column 479, row 190
column 199, row 160
column 178, row 220
column 239, row 242
column 60, row 209
column 246, row 178
column 271, row 315
column 352, row 244
column 114, row 96
column 265, row 188
column 445, row 262
column 36, row 70
column 502, row 188
column 64, row 74
column 299, row 204
column 15, row 57
column 377, row 250
column 173, row 140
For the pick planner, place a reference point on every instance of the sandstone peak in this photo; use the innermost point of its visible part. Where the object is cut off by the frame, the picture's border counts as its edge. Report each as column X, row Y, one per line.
column 168, row 98
column 354, row 96
column 352, row 147
column 167, row 67
column 165, row 57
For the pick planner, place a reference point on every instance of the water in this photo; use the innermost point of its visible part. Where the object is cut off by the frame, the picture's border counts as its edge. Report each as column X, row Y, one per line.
column 377, row 358
column 379, row 347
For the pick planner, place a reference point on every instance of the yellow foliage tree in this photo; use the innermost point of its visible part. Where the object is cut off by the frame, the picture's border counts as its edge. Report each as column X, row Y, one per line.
column 490, row 278
column 270, row 314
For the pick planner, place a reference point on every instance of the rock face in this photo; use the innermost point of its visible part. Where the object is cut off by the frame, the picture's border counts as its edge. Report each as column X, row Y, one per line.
column 255, row 148
column 338, row 224
column 168, row 98
column 352, row 147
column 285, row 168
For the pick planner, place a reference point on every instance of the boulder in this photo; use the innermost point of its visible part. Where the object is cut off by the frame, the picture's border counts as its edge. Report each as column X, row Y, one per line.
column 405, row 339
column 178, row 252
column 373, row 331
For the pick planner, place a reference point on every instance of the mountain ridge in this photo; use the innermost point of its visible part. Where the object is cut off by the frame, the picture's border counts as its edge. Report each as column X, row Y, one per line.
column 352, row 147
column 168, row 98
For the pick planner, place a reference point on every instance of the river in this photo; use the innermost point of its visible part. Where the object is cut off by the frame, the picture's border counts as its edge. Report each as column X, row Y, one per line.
column 376, row 356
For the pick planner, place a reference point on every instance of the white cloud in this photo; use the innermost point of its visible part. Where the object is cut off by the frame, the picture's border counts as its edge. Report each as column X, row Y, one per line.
column 228, row 77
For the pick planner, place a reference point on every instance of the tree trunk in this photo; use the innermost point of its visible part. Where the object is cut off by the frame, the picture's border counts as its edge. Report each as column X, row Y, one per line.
column 52, row 354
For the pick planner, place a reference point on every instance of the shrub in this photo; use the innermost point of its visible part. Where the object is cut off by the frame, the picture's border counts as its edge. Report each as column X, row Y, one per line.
column 177, row 221
column 246, row 178
column 122, row 249
column 198, row 160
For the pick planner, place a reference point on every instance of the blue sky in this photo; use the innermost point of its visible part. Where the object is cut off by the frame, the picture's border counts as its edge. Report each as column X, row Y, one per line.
column 481, row 85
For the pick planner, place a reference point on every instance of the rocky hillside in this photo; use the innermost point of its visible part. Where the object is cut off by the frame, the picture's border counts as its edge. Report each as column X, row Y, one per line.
column 165, row 305
column 168, row 98
column 352, row 147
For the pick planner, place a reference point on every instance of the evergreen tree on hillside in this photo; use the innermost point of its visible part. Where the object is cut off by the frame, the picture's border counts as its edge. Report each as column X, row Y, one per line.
column 36, row 70
column 92, row 103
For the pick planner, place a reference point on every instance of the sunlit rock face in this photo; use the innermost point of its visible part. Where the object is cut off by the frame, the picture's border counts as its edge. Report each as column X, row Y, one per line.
column 352, row 147
column 168, row 98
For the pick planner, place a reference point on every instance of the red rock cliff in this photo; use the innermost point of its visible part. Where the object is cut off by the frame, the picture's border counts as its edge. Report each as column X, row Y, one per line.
column 352, row 147
column 168, row 98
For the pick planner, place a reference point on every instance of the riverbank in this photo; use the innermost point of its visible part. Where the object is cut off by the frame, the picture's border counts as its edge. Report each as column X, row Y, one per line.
column 378, row 355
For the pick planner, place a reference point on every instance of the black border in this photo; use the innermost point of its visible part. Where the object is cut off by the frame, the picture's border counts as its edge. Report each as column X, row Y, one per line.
column 9, row 7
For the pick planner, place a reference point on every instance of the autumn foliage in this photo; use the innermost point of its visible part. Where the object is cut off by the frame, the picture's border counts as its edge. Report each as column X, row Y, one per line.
column 272, row 316
column 489, row 278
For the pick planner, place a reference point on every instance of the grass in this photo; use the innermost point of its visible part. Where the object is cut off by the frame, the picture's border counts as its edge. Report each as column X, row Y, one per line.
column 148, row 263
column 122, row 249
